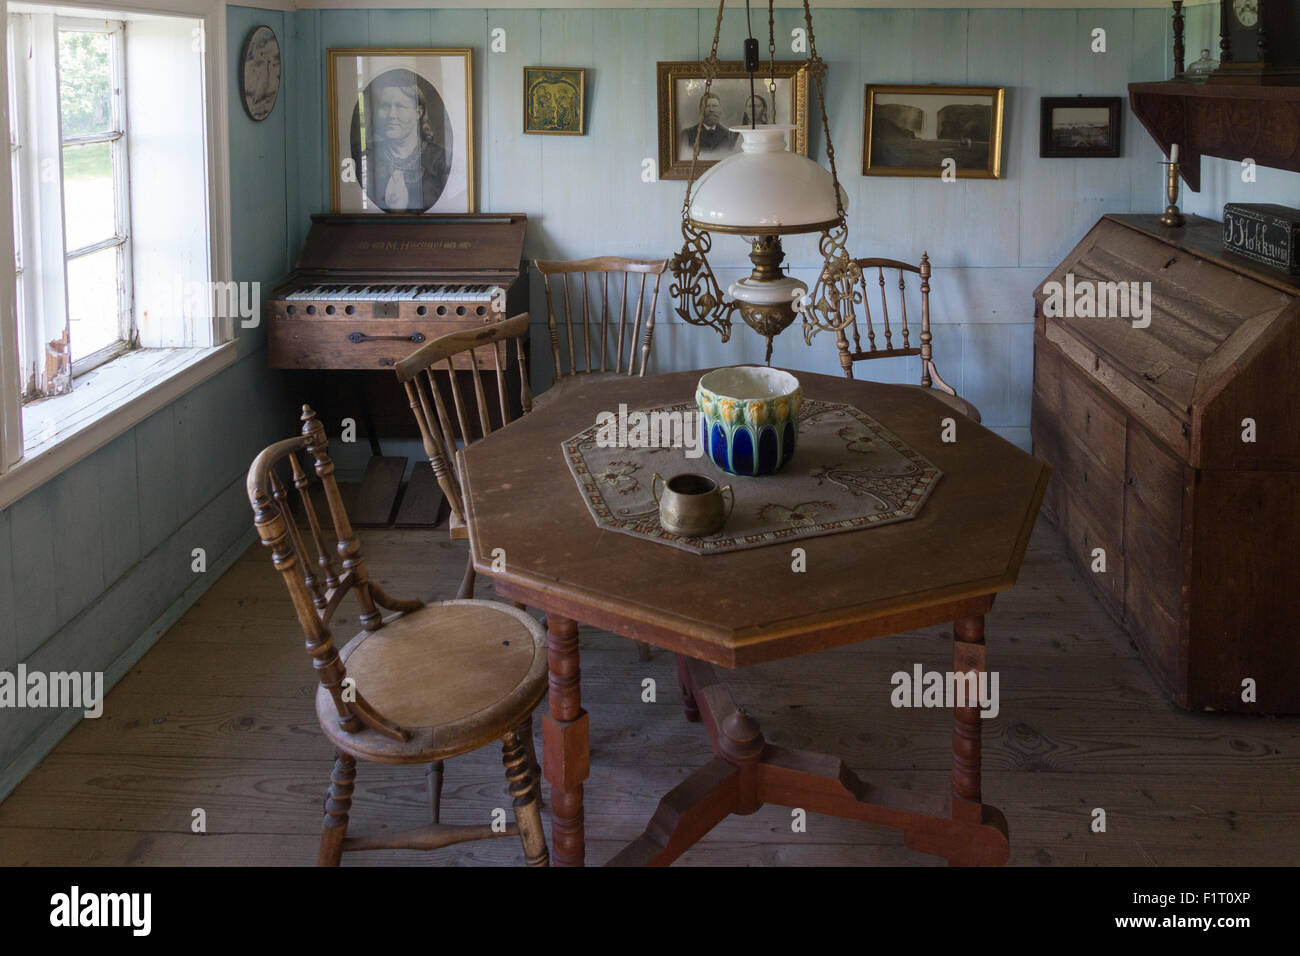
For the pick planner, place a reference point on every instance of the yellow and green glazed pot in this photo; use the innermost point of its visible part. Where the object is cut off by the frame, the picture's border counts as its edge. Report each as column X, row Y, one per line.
column 749, row 418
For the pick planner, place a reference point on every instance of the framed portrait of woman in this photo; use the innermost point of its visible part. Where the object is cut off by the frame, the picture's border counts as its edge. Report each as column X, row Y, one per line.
column 401, row 130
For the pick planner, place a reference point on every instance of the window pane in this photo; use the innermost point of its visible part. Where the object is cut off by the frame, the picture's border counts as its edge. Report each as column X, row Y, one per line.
column 88, row 213
column 92, row 302
column 85, row 83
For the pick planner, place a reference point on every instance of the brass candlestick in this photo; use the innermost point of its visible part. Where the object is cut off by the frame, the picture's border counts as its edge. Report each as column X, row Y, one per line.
column 1172, row 216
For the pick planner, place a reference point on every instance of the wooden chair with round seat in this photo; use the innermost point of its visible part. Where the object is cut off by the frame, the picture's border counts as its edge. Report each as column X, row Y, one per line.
column 419, row 685
column 873, row 274
column 608, row 328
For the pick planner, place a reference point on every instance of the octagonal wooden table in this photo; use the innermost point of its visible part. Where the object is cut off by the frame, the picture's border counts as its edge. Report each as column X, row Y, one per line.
column 530, row 529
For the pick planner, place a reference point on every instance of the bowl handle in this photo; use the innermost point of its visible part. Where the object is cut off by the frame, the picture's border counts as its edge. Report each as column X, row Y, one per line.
column 654, row 485
column 726, row 489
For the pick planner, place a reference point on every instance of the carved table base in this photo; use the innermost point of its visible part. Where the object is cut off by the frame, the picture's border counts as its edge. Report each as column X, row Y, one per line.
column 748, row 772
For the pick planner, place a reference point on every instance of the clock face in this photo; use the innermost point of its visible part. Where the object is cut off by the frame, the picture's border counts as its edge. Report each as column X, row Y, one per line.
column 1246, row 12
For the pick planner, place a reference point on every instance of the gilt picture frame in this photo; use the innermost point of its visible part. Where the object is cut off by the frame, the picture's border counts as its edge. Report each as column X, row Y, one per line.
column 680, row 88
column 921, row 130
column 555, row 100
column 401, row 130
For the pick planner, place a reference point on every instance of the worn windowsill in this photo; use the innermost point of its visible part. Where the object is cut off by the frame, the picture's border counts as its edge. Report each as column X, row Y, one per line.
column 113, row 398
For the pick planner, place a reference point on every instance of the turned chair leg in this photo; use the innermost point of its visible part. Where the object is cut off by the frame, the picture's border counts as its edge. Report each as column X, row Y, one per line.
column 467, row 582
column 524, row 789
column 530, row 748
column 435, row 789
column 338, row 800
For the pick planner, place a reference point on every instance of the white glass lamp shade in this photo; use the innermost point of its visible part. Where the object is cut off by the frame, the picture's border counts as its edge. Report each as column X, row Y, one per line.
column 765, row 189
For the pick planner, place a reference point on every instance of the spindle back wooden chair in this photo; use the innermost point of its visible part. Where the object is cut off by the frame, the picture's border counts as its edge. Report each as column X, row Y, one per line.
column 622, row 333
column 424, row 684
column 441, row 433
column 873, row 275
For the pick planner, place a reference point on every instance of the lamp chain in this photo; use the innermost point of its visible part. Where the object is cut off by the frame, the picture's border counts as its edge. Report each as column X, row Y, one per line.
column 771, row 55
column 710, row 71
column 817, row 67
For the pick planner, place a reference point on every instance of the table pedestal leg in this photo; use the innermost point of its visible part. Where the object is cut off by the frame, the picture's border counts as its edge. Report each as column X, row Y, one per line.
column 566, row 758
column 747, row 773
column 688, row 695
column 968, row 664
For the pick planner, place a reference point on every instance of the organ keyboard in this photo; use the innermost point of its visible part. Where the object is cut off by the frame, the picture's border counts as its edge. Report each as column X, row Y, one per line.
column 368, row 290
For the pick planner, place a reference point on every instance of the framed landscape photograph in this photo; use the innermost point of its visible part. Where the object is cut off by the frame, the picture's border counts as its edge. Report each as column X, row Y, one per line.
column 921, row 130
column 554, row 100
column 1080, row 126
column 680, row 89
column 401, row 130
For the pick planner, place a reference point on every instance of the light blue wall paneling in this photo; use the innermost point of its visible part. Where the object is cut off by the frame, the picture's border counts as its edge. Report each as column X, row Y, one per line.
column 94, row 563
column 259, row 210
column 990, row 241
column 8, row 637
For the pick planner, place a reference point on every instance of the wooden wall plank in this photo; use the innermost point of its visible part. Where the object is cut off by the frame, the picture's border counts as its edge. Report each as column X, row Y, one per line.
column 156, row 452
column 259, row 175
column 512, row 162
column 1152, row 59
column 118, row 489
column 306, row 105
column 989, row 233
column 885, row 217
column 75, row 509
column 8, row 637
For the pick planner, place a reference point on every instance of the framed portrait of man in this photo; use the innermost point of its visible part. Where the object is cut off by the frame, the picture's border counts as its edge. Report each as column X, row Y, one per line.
column 401, row 130
column 687, row 113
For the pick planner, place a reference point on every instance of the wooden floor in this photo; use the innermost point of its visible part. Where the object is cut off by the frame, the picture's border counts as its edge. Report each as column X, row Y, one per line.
column 219, row 716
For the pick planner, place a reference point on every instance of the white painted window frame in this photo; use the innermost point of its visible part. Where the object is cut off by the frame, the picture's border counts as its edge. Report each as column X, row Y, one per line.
column 121, row 238
column 19, row 475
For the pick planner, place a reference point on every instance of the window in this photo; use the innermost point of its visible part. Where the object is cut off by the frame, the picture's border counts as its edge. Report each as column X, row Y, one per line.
column 69, row 164
column 118, row 194
column 96, row 208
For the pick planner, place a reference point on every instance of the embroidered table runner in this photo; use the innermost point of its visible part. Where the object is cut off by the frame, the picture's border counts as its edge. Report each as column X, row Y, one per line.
column 848, row 472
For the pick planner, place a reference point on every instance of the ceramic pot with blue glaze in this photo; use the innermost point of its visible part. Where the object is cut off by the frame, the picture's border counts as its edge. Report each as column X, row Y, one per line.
column 749, row 418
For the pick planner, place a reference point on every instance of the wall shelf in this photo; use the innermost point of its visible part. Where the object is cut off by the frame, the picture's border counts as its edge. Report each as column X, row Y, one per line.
column 1228, row 121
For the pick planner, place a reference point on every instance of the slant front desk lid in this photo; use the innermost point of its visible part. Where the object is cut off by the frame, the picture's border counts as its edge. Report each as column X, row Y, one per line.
column 1181, row 318
column 413, row 245
column 1169, row 323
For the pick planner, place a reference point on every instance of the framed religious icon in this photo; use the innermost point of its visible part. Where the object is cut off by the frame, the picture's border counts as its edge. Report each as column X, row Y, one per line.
column 401, row 130
column 685, row 113
column 927, row 130
column 554, row 100
column 259, row 74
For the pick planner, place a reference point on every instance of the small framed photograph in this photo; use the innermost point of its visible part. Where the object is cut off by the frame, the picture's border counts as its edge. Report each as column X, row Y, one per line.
column 1080, row 126
column 554, row 100
column 922, row 130
column 259, row 74
column 401, row 130
column 685, row 114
